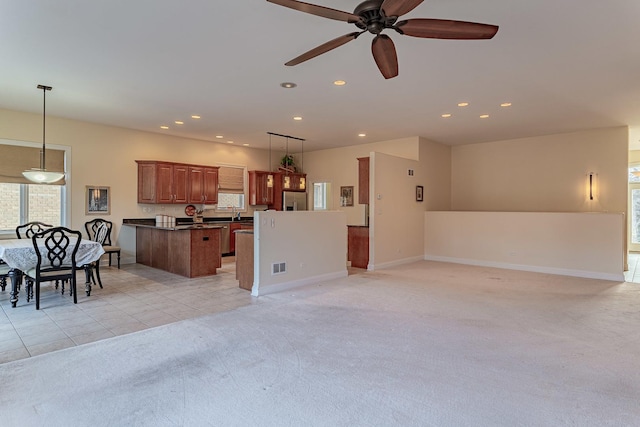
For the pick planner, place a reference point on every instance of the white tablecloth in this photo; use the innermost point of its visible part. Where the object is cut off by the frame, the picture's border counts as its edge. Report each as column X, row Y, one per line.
column 20, row 253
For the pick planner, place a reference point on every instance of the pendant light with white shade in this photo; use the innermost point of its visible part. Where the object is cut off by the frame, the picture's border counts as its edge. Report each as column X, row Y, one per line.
column 41, row 175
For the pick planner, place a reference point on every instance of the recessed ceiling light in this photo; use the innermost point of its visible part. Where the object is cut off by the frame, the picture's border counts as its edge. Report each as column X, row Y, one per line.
column 463, row 104
column 288, row 85
column 164, row 127
column 195, row 116
column 339, row 83
column 229, row 142
column 362, row 134
column 219, row 136
column 484, row 116
column 505, row 104
column 297, row 118
column 446, row 115
column 178, row 122
column 246, row 145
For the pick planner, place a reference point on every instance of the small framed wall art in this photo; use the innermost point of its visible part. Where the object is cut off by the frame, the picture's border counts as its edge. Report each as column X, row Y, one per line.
column 419, row 193
column 346, row 196
column 98, row 200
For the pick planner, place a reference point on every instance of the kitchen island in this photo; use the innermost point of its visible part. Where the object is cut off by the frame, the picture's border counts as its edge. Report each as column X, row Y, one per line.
column 190, row 250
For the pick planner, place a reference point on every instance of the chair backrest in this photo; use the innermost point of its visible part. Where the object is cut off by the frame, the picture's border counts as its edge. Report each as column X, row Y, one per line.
column 29, row 229
column 99, row 230
column 59, row 252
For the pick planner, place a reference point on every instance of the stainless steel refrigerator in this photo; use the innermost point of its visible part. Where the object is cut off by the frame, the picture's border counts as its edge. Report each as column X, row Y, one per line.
column 294, row 201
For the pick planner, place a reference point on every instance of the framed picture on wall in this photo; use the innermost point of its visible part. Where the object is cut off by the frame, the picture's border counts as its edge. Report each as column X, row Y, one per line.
column 419, row 193
column 346, row 196
column 97, row 200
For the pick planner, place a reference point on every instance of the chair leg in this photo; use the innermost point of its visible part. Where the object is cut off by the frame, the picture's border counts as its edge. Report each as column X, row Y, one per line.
column 109, row 259
column 37, row 294
column 72, row 285
column 98, row 274
column 118, row 260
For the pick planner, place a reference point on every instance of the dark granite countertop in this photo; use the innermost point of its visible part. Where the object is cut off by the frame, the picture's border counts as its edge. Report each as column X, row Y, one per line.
column 185, row 223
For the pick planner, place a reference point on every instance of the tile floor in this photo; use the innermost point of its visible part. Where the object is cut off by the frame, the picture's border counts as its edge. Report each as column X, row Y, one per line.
column 134, row 298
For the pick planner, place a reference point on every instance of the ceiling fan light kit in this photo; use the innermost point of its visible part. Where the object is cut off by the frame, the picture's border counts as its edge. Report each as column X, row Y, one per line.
column 374, row 16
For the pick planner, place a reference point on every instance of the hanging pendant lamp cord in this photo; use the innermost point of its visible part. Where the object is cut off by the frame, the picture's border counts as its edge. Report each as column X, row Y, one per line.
column 44, row 118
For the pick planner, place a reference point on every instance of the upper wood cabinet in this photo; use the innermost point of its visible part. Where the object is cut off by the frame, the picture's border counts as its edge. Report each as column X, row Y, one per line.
column 294, row 182
column 261, row 189
column 203, row 185
column 363, row 180
column 165, row 182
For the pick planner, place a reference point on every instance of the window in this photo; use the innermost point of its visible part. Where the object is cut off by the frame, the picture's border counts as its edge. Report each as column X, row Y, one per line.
column 24, row 202
column 321, row 196
column 231, row 188
column 30, row 202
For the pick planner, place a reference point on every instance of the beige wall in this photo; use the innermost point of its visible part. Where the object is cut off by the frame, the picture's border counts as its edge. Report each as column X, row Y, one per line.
column 435, row 165
column 339, row 166
column 573, row 244
column 313, row 245
column 105, row 156
column 396, row 218
column 541, row 174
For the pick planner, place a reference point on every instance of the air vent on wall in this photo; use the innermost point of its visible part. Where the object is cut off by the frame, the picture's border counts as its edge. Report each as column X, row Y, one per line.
column 278, row 268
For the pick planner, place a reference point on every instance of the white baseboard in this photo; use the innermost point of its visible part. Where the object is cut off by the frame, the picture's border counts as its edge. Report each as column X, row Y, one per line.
column 533, row 268
column 394, row 263
column 279, row 287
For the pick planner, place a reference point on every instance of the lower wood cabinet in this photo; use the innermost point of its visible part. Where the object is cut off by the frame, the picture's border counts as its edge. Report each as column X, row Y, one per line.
column 358, row 246
column 189, row 253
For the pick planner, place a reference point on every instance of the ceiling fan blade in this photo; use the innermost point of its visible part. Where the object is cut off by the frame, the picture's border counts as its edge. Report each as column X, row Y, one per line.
column 313, row 9
column 446, row 29
column 323, row 48
column 384, row 53
column 399, row 7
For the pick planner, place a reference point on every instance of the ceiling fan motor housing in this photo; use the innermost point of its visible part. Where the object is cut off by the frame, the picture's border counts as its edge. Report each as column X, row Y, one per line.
column 373, row 19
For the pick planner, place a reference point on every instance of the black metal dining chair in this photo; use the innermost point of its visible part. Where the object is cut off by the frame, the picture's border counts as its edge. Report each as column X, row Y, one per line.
column 29, row 229
column 93, row 227
column 56, row 260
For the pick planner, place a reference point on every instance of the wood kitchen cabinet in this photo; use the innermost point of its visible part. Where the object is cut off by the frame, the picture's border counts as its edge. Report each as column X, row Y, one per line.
column 166, row 182
column 358, row 246
column 363, row 180
column 162, row 182
column 190, row 252
column 294, row 182
column 203, row 185
column 261, row 187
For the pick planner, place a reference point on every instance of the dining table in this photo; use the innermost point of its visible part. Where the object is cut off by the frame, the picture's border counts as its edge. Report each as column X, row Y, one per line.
column 20, row 255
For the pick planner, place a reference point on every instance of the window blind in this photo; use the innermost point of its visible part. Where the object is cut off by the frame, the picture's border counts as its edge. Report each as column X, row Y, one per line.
column 14, row 159
column 231, row 179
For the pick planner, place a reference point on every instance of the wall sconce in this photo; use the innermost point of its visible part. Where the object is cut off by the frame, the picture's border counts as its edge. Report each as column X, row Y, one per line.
column 303, row 183
column 269, row 181
column 287, row 182
column 592, row 186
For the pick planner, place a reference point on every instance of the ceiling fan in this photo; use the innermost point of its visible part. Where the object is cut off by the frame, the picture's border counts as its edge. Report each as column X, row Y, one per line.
column 375, row 16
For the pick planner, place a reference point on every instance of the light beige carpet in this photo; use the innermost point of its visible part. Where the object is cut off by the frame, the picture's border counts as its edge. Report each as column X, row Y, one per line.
column 427, row 344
